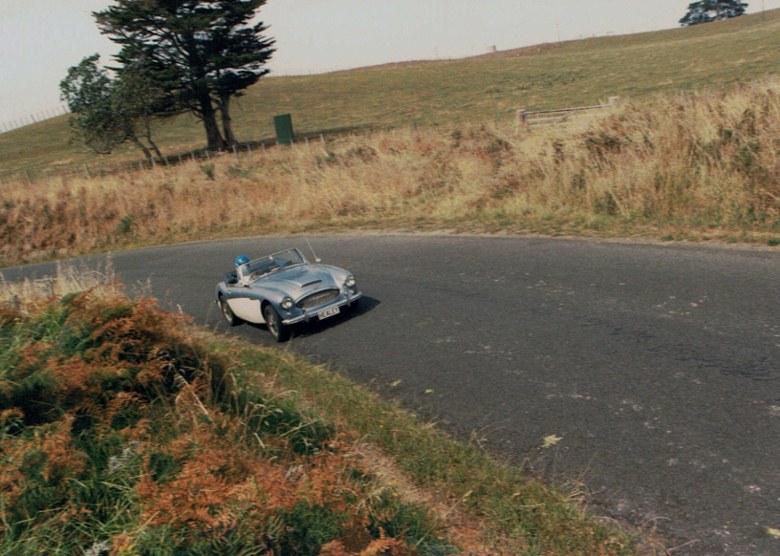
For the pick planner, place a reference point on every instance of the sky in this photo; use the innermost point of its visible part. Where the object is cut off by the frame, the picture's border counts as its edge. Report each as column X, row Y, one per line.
column 41, row 39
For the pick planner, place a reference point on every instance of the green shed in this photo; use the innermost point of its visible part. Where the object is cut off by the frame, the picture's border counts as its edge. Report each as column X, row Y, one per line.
column 284, row 129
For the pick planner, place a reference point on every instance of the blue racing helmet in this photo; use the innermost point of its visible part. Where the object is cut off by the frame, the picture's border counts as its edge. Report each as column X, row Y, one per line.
column 241, row 260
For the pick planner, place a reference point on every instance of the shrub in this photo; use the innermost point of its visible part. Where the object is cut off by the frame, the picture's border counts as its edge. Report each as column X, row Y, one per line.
column 120, row 431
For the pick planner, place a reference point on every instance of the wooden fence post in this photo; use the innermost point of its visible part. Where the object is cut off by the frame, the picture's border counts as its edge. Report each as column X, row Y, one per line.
column 522, row 119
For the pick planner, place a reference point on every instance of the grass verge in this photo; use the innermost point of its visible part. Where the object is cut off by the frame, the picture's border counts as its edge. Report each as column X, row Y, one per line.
column 507, row 511
column 125, row 430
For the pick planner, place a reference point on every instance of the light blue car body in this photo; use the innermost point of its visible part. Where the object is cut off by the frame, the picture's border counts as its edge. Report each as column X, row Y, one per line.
column 283, row 289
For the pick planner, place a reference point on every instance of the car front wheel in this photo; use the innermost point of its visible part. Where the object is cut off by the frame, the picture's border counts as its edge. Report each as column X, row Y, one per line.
column 231, row 319
column 279, row 331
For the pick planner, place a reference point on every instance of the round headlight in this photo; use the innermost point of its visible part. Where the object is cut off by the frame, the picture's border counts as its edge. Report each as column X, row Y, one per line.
column 287, row 303
column 350, row 282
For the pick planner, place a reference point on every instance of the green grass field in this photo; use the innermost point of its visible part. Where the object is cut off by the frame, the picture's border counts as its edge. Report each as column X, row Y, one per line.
column 488, row 88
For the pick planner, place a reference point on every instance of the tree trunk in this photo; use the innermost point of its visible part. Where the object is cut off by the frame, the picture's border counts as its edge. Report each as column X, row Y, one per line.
column 227, row 121
column 155, row 148
column 147, row 153
column 148, row 136
column 209, row 117
column 213, row 136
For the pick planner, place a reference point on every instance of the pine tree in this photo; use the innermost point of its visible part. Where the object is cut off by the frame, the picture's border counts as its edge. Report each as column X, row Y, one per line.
column 200, row 53
column 706, row 11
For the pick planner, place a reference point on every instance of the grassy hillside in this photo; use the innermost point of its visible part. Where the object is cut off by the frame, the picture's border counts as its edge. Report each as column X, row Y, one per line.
column 486, row 88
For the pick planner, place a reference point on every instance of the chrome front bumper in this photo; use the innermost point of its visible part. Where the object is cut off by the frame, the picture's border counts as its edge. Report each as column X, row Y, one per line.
column 312, row 314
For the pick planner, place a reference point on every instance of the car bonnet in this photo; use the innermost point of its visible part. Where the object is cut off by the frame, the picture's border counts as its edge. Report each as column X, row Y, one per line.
column 298, row 280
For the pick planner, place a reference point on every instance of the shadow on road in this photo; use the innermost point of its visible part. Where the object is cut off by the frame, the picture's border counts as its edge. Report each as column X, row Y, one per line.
column 304, row 330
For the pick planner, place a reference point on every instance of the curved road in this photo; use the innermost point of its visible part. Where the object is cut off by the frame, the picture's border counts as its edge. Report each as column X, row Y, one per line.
column 655, row 367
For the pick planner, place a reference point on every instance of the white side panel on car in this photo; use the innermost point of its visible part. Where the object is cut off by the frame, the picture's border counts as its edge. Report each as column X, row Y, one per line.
column 247, row 309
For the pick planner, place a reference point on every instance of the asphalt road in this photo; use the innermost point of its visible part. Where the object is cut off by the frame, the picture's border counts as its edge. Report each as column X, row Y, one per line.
column 652, row 370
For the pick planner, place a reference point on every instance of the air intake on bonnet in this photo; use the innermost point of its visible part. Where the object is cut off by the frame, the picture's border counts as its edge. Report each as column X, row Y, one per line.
column 317, row 299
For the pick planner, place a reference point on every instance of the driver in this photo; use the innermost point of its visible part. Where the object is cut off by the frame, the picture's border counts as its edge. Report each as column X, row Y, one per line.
column 241, row 261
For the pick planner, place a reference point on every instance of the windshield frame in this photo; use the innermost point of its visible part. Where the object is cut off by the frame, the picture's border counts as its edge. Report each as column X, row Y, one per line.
column 262, row 267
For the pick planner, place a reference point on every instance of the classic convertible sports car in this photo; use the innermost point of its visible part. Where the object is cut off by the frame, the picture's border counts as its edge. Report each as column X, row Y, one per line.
column 283, row 289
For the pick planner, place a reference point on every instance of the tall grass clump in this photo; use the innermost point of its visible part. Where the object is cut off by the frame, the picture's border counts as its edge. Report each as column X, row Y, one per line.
column 121, row 433
column 703, row 160
column 697, row 164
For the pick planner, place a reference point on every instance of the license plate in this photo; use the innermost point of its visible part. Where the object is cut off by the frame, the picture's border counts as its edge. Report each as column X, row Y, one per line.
column 328, row 313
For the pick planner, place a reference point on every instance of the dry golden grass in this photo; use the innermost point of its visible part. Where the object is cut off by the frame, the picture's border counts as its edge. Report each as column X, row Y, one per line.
column 29, row 296
column 689, row 165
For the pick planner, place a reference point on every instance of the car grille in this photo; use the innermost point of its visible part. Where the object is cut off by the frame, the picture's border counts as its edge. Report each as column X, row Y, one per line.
column 317, row 299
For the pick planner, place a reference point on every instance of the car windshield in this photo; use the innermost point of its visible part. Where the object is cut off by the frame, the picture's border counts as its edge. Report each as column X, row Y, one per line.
column 256, row 269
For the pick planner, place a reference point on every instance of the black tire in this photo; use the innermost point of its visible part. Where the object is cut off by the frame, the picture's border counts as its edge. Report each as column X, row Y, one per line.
column 279, row 331
column 231, row 319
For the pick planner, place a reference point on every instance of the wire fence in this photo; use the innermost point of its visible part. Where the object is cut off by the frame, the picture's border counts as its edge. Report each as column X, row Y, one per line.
column 526, row 119
column 85, row 170
column 34, row 118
